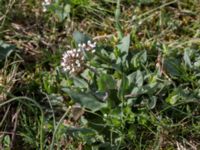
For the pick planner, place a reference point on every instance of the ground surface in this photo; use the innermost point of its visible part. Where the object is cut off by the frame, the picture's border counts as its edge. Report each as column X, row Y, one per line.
column 139, row 89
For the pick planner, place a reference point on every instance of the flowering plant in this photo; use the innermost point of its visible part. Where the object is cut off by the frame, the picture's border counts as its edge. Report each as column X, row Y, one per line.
column 99, row 80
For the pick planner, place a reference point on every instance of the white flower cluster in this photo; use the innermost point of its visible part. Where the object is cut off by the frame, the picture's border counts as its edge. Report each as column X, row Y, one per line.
column 45, row 3
column 87, row 47
column 73, row 60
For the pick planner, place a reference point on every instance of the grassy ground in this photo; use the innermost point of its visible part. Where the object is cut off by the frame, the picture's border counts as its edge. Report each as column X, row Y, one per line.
column 147, row 89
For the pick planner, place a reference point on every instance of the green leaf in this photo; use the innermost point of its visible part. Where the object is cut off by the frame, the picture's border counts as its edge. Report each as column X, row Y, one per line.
column 6, row 142
column 136, row 79
column 139, row 58
column 80, row 2
column 145, row 2
column 101, row 95
column 124, row 46
column 62, row 11
column 106, row 82
column 85, row 99
column 80, row 37
column 80, row 83
column 136, row 91
column 88, row 135
column 82, row 130
column 147, row 89
column 187, row 58
column 123, row 86
column 131, row 78
column 5, row 50
column 152, row 102
column 172, row 66
column 67, row 9
column 174, row 97
column 139, row 78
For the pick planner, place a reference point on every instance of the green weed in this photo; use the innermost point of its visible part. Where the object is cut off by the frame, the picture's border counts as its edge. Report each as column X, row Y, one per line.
column 87, row 74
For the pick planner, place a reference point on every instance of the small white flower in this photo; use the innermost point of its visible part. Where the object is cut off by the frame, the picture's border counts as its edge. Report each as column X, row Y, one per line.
column 62, row 64
column 73, row 70
column 73, row 55
column 79, row 45
column 93, row 45
column 87, row 49
column 65, row 56
column 83, row 45
column 89, row 42
column 44, row 9
column 77, row 62
column 47, row 2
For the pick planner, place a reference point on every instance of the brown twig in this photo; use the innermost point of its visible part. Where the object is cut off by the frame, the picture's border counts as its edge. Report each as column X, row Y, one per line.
column 15, row 120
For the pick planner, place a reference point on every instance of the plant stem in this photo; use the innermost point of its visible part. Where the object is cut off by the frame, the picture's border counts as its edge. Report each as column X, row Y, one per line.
column 57, row 127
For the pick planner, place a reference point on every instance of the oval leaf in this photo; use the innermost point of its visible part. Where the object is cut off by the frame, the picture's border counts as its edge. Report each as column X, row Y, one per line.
column 106, row 82
column 86, row 100
column 124, row 46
